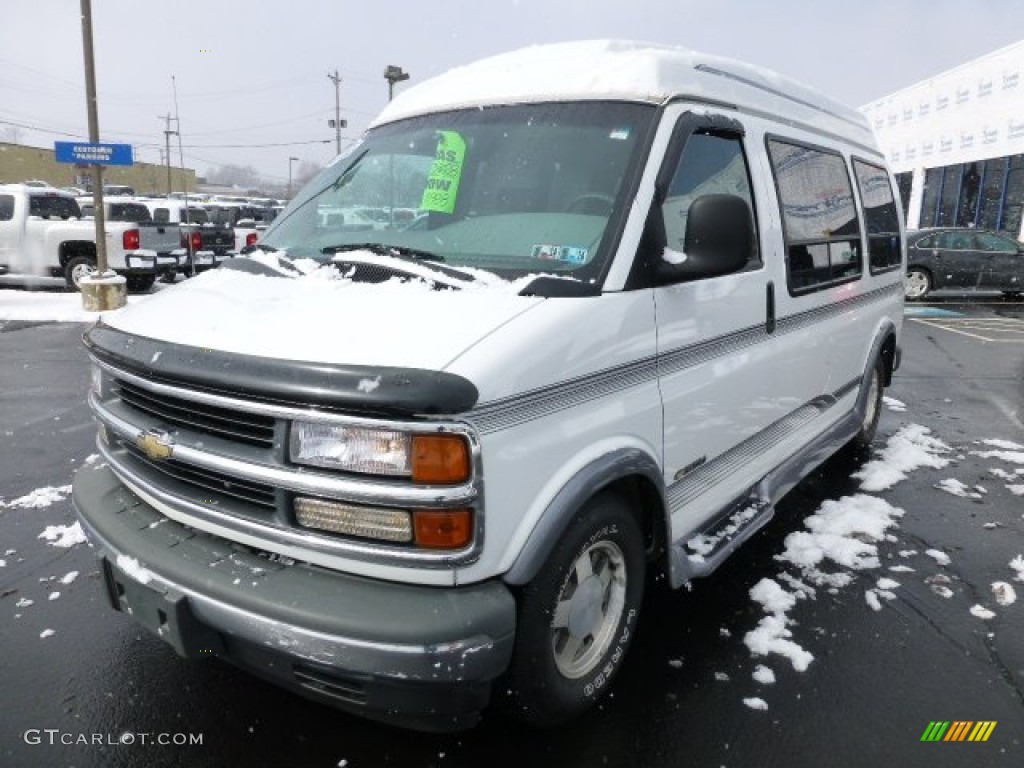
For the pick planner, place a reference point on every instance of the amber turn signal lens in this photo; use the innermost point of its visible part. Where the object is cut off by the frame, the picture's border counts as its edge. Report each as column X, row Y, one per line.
column 439, row 459
column 443, row 529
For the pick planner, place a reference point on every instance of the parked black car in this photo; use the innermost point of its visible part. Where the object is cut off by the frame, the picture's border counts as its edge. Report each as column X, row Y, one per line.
column 962, row 258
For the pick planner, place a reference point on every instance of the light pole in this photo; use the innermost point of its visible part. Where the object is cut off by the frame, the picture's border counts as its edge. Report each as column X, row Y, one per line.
column 290, row 161
column 394, row 75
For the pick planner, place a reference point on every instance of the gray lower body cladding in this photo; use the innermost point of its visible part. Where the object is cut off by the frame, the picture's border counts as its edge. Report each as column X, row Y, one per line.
column 418, row 656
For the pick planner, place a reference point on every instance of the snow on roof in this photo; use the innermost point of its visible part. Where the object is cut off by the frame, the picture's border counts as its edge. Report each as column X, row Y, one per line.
column 619, row 70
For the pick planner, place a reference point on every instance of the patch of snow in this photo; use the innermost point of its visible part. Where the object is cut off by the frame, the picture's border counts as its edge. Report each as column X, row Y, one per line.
column 47, row 633
column 54, row 595
column 673, row 257
column 981, row 612
column 68, row 577
column 938, row 556
column 872, row 600
column 956, row 488
column 722, row 677
column 901, row 569
column 703, row 545
column 909, row 449
column 1016, row 490
column 63, row 536
column 841, row 531
column 884, row 583
column 1008, row 445
column 763, row 675
column 132, row 567
column 1017, row 564
column 771, row 636
column 675, row 663
column 24, row 603
column 907, row 552
column 756, row 703
column 897, row 406
column 1004, row 593
column 942, row 591
column 41, row 497
column 1012, row 457
column 368, row 385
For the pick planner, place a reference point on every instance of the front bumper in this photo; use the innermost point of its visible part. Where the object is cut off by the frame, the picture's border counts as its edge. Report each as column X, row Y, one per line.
column 423, row 657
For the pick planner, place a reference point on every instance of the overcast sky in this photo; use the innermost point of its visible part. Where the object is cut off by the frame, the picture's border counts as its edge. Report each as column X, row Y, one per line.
column 253, row 73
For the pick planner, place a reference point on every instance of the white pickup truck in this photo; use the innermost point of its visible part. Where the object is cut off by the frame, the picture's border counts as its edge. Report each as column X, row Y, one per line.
column 43, row 234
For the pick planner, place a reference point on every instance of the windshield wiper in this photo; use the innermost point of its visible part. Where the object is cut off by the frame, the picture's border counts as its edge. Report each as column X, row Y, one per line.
column 398, row 251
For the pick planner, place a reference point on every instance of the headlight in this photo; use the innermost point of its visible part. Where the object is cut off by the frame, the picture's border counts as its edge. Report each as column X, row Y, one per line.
column 354, row 449
column 431, row 459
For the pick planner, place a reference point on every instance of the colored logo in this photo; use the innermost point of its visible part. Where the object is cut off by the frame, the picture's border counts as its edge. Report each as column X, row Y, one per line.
column 156, row 444
column 958, row 730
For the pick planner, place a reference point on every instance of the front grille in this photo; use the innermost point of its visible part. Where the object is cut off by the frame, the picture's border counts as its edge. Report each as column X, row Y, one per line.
column 204, row 479
column 223, row 422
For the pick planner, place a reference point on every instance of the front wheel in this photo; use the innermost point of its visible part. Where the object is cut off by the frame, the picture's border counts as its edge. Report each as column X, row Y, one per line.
column 578, row 615
column 918, row 284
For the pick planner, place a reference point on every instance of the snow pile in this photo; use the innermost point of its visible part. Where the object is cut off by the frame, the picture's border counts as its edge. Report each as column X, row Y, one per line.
column 132, row 567
column 894, row 405
column 956, row 488
column 909, row 449
column 756, row 703
column 771, row 634
column 981, row 612
column 938, row 556
column 763, row 675
column 1004, row 593
column 1018, row 565
column 843, row 532
column 63, row 536
column 41, row 497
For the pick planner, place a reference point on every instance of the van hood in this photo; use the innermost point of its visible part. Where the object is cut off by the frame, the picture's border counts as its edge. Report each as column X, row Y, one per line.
column 323, row 317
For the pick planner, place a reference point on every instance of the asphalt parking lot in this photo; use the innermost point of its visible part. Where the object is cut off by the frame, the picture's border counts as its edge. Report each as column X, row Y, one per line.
column 922, row 637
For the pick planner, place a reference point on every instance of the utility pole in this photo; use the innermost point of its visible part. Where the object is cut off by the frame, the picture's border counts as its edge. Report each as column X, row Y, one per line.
column 336, row 79
column 94, row 136
column 167, row 138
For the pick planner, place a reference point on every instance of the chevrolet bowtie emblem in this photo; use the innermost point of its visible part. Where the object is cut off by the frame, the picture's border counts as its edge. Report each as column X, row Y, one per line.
column 156, row 444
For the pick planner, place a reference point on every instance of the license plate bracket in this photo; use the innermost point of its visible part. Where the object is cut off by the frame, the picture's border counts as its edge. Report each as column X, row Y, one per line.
column 163, row 612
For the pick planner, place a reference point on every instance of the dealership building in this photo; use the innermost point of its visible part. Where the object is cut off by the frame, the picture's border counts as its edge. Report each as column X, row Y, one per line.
column 956, row 144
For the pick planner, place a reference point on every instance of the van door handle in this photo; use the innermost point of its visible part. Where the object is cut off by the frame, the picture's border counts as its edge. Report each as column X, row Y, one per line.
column 769, row 301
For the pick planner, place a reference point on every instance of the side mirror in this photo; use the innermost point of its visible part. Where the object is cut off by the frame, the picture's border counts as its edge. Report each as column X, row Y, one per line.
column 719, row 240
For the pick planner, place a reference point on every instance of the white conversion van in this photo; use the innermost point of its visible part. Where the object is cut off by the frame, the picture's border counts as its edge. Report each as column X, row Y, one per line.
column 613, row 302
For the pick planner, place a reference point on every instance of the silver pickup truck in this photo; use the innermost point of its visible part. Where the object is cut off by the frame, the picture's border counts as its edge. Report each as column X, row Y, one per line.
column 161, row 238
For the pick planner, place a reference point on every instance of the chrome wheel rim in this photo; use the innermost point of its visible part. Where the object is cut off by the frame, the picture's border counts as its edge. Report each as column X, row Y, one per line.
column 78, row 272
column 588, row 610
column 916, row 285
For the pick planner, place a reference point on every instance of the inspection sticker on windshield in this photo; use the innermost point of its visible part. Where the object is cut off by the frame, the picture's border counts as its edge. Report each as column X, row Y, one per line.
column 566, row 253
column 443, row 181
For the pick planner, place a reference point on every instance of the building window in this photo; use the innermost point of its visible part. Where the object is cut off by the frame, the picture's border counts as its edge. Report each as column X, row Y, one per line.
column 970, row 186
column 819, row 218
column 994, row 171
column 1014, row 196
column 950, row 196
column 930, row 198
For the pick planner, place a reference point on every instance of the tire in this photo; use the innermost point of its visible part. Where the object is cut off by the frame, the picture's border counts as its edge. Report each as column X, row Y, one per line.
column 917, row 285
column 578, row 615
column 76, row 268
column 140, row 283
column 873, row 411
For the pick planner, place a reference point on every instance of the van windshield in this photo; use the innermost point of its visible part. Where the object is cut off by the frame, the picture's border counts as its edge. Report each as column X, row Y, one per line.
column 513, row 189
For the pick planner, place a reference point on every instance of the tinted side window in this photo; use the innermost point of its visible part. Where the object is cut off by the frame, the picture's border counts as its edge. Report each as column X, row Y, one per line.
column 819, row 218
column 53, row 206
column 6, row 207
column 927, row 242
column 956, row 241
column 710, row 164
column 986, row 242
column 880, row 217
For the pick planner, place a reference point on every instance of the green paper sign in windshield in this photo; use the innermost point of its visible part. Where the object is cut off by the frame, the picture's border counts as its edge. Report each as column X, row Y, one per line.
column 443, row 182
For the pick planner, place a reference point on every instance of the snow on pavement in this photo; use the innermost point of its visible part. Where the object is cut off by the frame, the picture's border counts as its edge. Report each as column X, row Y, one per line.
column 40, row 497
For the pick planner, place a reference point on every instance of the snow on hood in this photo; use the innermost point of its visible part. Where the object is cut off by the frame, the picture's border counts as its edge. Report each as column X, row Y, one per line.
column 322, row 316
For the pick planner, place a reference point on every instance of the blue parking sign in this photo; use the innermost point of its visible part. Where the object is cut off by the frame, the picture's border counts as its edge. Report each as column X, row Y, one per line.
column 86, row 153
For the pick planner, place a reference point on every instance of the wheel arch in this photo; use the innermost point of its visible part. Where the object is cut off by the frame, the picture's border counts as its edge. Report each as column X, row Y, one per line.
column 69, row 249
column 627, row 471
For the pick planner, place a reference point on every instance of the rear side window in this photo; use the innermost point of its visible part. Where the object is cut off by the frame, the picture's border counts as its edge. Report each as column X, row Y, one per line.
column 819, row 217
column 880, row 217
column 134, row 212
column 6, row 207
column 53, row 207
